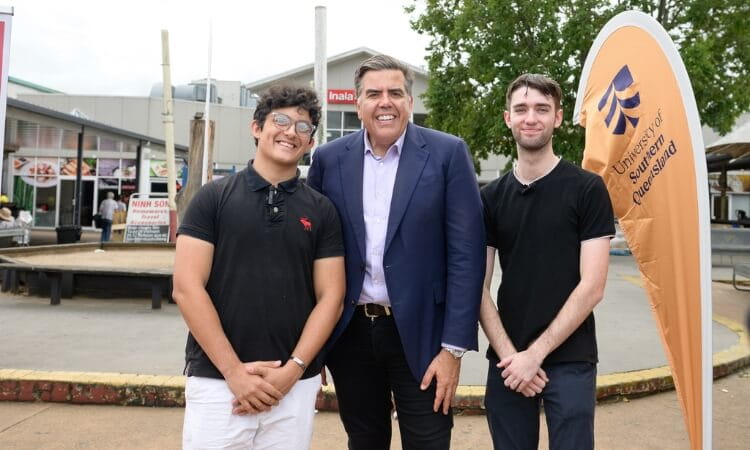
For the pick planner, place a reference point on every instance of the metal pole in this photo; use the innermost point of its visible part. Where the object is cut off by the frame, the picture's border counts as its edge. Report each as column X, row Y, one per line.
column 321, row 71
column 138, row 170
column 206, row 117
column 79, row 183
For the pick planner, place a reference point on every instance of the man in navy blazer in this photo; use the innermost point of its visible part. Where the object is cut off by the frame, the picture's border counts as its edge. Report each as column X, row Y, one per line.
column 415, row 246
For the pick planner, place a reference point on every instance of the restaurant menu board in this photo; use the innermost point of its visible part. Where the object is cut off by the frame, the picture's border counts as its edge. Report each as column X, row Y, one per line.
column 148, row 220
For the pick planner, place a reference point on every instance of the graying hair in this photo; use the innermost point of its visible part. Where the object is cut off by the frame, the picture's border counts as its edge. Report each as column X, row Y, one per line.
column 382, row 62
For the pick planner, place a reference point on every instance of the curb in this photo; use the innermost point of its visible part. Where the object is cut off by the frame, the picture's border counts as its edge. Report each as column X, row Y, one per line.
column 169, row 391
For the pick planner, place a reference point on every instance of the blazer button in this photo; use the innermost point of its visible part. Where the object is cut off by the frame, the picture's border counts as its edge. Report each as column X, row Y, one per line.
column 362, row 267
column 354, row 302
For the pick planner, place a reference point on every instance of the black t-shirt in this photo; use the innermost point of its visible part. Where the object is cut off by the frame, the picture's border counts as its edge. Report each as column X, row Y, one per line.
column 261, row 283
column 537, row 231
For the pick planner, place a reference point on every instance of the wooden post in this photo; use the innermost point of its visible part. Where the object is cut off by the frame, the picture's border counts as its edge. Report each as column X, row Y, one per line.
column 195, row 162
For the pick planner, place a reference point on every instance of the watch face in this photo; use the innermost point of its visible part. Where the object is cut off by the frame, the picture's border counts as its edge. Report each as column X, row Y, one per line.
column 455, row 353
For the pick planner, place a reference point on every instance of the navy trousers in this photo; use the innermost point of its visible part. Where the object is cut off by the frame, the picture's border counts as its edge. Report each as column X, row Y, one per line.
column 370, row 374
column 569, row 399
column 106, row 230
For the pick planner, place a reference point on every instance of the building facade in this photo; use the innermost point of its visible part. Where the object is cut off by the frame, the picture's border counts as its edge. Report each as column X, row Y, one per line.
column 233, row 143
column 40, row 163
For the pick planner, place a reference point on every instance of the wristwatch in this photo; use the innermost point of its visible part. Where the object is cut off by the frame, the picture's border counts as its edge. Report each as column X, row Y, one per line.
column 299, row 362
column 456, row 354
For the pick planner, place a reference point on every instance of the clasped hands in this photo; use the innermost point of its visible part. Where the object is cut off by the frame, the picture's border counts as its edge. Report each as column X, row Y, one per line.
column 523, row 373
column 260, row 385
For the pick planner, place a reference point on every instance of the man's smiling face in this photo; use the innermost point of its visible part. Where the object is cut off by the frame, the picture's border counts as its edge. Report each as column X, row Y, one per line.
column 384, row 106
column 284, row 147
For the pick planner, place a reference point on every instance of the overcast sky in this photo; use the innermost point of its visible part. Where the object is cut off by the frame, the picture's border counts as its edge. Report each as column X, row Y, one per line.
column 114, row 48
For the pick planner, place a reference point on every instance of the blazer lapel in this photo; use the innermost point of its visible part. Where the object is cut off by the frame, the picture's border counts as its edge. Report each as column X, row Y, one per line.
column 351, row 166
column 413, row 157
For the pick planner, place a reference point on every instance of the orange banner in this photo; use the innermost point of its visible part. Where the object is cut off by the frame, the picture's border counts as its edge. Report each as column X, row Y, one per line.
column 643, row 137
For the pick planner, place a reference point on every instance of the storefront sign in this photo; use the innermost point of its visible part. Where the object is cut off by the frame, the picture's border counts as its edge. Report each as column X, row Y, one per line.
column 148, row 220
column 342, row 96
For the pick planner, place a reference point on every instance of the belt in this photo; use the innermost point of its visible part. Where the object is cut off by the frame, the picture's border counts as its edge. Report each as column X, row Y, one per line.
column 373, row 310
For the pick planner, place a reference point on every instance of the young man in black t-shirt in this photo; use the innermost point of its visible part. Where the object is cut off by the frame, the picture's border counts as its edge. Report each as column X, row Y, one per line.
column 550, row 223
column 259, row 279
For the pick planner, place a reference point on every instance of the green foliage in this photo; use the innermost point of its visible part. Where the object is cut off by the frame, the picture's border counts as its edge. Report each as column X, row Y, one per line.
column 479, row 46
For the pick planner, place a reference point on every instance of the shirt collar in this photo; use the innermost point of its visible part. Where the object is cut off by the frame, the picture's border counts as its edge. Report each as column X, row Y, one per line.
column 397, row 146
column 257, row 182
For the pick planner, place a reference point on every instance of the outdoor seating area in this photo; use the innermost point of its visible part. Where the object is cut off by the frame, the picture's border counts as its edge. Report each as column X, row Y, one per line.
column 64, row 267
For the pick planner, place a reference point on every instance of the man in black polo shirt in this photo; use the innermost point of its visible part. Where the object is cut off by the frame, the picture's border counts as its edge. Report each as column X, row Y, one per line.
column 550, row 222
column 259, row 279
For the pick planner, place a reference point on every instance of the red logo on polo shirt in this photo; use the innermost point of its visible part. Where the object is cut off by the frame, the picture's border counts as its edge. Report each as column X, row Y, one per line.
column 306, row 223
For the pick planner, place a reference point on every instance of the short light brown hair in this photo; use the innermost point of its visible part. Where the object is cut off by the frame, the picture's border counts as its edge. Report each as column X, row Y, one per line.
column 541, row 83
column 382, row 62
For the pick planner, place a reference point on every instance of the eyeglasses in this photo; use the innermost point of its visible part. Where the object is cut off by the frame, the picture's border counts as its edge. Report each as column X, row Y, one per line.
column 301, row 127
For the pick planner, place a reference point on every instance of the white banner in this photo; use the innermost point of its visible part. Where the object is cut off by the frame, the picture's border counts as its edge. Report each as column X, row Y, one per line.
column 148, row 220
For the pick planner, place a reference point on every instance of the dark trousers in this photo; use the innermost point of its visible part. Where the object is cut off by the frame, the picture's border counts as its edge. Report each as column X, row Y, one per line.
column 368, row 364
column 569, row 400
column 106, row 230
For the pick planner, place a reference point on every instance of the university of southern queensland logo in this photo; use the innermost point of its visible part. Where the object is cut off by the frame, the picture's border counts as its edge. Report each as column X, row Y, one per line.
column 620, row 102
column 306, row 223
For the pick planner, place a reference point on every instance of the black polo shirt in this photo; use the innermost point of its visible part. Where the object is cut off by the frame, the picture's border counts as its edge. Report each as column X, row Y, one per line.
column 537, row 231
column 266, row 240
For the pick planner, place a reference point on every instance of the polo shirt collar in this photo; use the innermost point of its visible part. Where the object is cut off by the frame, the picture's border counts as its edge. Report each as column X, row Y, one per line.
column 256, row 182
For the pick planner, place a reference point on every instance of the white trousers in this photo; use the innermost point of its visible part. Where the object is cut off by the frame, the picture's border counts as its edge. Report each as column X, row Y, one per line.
column 209, row 422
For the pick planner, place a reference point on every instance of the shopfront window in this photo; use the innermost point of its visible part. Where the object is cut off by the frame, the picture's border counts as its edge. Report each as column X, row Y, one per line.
column 341, row 123
column 28, row 134
column 35, row 182
column 46, row 186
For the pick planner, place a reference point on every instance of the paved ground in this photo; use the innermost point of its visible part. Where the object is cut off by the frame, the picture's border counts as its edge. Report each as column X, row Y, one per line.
column 125, row 335
column 653, row 422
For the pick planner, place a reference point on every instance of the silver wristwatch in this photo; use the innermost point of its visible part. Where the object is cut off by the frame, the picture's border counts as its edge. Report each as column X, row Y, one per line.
column 457, row 354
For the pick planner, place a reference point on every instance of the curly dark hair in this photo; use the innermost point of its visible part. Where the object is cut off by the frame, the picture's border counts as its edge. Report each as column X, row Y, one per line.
column 282, row 96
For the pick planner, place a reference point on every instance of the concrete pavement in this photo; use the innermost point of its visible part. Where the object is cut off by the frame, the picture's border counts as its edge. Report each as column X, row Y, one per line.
column 70, row 351
column 652, row 422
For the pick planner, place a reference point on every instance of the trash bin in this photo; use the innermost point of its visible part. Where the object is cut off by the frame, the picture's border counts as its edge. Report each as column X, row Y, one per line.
column 68, row 234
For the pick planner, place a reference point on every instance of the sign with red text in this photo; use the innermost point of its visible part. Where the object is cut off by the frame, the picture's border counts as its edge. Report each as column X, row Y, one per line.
column 148, row 220
column 342, row 96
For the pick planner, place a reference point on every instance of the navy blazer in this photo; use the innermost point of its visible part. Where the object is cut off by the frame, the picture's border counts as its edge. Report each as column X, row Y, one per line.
column 434, row 258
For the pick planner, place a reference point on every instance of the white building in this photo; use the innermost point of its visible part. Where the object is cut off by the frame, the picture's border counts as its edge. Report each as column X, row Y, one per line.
column 234, row 145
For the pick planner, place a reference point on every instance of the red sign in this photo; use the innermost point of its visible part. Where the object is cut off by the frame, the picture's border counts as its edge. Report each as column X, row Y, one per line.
column 342, row 96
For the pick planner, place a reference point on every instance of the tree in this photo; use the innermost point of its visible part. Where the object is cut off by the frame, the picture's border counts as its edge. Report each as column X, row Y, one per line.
column 479, row 46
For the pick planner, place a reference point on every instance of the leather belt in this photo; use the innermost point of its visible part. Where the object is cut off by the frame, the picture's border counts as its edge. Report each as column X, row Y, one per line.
column 373, row 310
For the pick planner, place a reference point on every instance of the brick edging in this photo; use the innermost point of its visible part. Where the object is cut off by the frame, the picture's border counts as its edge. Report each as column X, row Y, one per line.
column 169, row 391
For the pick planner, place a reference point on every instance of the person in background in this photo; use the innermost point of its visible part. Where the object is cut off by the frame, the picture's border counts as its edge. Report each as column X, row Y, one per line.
column 6, row 219
column 107, row 210
column 121, row 205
